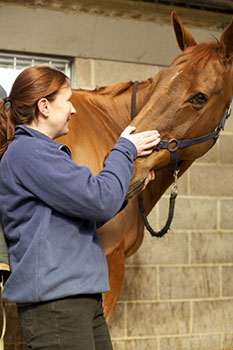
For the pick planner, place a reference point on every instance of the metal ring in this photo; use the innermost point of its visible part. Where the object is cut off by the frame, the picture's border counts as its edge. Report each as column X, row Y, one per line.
column 176, row 147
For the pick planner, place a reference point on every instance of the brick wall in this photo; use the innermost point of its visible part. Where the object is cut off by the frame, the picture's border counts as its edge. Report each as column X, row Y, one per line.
column 178, row 290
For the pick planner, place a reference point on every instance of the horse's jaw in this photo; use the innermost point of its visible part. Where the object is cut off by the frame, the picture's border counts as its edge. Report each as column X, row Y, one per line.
column 156, row 161
column 161, row 159
column 135, row 188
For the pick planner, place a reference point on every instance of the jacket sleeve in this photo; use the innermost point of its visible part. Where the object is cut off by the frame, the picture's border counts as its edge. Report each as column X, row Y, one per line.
column 53, row 178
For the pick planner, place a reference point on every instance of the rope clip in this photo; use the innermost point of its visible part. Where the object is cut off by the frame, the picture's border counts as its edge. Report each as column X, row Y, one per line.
column 174, row 188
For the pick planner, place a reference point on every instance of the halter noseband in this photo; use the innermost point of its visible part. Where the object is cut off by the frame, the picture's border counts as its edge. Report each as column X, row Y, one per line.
column 163, row 144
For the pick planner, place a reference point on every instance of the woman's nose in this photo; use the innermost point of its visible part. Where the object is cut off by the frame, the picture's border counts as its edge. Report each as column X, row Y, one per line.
column 73, row 110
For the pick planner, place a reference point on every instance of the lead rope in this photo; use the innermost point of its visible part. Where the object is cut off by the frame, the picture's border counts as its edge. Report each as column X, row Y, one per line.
column 173, row 194
column 3, row 315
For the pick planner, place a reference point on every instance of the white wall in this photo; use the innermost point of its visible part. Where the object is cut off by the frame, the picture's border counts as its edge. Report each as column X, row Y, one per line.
column 39, row 30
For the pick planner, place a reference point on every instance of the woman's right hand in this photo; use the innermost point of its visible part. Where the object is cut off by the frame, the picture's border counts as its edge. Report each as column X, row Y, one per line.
column 143, row 141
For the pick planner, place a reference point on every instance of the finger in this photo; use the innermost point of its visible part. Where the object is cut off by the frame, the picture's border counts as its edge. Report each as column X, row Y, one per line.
column 146, row 136
column 129, row 129
column 150, row 138
column 145, row 153
column 150, row 177
column 152, row 143
column 148, row 133
column 152, row 174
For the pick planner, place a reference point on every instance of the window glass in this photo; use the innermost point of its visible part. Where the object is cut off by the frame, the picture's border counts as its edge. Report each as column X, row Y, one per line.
column 11, row 65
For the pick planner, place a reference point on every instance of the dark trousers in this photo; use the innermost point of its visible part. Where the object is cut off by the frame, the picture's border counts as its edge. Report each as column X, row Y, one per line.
column 74, row 323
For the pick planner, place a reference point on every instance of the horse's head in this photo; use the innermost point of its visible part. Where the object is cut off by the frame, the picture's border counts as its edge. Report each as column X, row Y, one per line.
column 189, row 100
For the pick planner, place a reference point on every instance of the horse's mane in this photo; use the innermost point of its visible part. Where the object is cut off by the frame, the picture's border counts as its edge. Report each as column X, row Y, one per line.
column 199, row 55
column 113, row 98
column 111, row 90
column 114, row 90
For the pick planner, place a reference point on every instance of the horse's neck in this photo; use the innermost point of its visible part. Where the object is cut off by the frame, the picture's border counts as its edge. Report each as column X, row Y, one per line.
column 101, row 116
column 114, row 102
column 143, row 93
column 106, row 111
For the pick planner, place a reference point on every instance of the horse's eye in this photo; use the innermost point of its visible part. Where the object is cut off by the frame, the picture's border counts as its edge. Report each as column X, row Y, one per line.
column 198, row 99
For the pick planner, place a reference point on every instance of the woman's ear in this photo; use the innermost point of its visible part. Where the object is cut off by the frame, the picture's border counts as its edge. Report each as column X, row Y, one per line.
column 43, row 107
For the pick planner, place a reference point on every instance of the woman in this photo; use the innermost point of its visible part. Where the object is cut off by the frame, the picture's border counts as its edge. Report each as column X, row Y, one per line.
column 50, row 209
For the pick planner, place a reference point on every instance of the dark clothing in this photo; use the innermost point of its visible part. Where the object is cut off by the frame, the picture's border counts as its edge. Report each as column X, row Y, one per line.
column 75, row 323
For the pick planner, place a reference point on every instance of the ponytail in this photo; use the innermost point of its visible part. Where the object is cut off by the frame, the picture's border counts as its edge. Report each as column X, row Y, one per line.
column 7, row 128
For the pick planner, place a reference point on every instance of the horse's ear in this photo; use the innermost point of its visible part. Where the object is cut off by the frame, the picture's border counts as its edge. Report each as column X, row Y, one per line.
column 183, row 37
column 226, row 41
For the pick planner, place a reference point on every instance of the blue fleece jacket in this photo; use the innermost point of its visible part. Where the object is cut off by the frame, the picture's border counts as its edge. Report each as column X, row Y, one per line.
column 50, row 208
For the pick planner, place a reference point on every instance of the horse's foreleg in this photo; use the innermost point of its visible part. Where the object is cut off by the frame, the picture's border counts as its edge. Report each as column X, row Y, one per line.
column 116, row 265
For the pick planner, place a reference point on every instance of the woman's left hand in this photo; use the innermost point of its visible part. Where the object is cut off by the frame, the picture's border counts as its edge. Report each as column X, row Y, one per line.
column 150, row 177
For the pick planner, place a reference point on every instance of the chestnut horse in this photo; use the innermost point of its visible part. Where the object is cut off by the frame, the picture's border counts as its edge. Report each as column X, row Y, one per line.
column 185, row 101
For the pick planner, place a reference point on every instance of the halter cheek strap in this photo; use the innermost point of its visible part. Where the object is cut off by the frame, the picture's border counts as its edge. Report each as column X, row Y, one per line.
column 173, row 195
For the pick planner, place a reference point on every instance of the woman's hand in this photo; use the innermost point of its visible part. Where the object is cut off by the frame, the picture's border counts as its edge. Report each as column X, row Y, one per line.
column 143, row 141
column 150, row 177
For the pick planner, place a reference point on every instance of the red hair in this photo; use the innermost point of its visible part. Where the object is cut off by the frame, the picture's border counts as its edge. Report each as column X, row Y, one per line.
column 20, row 107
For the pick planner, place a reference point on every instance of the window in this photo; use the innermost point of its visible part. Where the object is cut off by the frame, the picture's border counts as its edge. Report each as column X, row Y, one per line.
column 12, row 65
